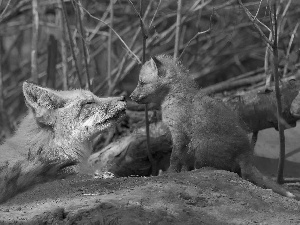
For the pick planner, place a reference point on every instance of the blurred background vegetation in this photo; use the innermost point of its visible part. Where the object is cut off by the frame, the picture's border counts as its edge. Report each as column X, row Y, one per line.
column 39, row 41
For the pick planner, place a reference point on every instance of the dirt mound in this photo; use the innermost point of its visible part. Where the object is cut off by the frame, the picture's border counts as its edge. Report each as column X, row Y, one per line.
column 203, row 196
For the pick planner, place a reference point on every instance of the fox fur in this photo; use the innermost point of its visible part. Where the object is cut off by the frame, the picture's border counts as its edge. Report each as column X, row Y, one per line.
column 55, row 137
column 205, row 132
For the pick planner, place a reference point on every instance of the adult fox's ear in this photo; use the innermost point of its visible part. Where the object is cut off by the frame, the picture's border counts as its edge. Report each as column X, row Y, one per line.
column 42, row 102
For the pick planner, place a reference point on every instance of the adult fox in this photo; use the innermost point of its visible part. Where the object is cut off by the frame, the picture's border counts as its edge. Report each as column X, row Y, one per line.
column 55, row 136
column 205, row 132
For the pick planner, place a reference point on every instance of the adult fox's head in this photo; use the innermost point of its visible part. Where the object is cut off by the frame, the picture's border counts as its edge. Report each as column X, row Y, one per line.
column 72, row 118
column 75, row 114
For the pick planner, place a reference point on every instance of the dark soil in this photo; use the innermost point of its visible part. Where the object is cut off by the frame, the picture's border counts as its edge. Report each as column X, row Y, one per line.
column 203, row 196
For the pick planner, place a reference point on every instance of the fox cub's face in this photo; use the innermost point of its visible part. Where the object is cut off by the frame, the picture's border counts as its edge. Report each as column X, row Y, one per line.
column 73, row 116
column 152, row 86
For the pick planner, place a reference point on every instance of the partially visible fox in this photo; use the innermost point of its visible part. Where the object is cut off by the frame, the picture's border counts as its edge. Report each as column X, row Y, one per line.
column 204, row 131
column 55, row 135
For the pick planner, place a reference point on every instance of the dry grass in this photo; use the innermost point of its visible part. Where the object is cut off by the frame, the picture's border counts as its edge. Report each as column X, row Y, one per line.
column 227, row 46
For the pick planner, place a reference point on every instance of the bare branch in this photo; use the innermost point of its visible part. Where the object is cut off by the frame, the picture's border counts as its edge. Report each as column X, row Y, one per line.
column 199, row 33
column 267, row 64
column 6, row 126
column 109, row 47
column 289, row 49
column 178, row 25
column 154, row 14
column 97, row 28
column 120, row 69
column 142, row 24
column 71, row 42
column 254, row 21
column 257, row 10
column 149, row 153
column 84, row 47
column 278, row 93
column 135, row 10
column 286, row 8
column 19, row 8
column 123, row 42
column 34, row 40
column 64, row 56
column 6, row 7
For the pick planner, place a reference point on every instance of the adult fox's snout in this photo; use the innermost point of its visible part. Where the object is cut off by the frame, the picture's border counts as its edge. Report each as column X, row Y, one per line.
column 121, row 98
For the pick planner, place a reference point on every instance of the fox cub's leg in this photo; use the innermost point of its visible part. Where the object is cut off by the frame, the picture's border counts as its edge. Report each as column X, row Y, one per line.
column 189, row 159
column 179, row 151
column 175, row 162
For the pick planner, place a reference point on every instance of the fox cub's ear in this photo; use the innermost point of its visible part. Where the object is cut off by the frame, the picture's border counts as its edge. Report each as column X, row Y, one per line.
column 156, row 66
column 43, row 102
column 156, row 61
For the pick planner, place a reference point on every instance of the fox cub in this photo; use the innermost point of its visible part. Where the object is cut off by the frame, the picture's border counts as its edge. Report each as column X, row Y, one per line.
column 55, row 135
column 204, row 131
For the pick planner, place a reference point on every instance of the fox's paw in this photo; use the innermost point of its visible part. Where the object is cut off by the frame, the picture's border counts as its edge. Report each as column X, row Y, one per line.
column 174, row 168
column 175, row 164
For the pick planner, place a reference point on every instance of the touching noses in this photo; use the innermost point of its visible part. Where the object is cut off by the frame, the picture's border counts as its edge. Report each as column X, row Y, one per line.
column 122, row 98
column 132, row 96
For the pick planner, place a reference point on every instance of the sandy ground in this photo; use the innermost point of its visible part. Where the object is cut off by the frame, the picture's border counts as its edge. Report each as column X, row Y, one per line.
column 268, row 143
column 199, row 197
column 203, row 196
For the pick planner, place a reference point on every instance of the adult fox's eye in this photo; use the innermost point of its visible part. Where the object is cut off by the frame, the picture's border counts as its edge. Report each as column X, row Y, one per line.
column 142, row 83
column 90, row 101
column 61, row 104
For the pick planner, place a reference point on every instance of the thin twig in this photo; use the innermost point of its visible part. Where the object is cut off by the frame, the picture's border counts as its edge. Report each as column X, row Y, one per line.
column 199, row 33
column 278, row 95
column 177, row 32
column 291, row 180
column 230, row 85
column 280, row 19
column 286, row 8
column 267, row 63
column 144, row 36
column 123, row 42
column 154, row 15
column 34, row 40
column 6, row 128
column 268, row 41
column 254, row 21
column 144, row 39
column 289, row 49
column 18, row 9
column 142, row 24
column 4, row 10
column 135, row 10
column 11, row 47
column 133, row 41
column 257, row 10
column 84, row 47
column 99, row 25
column 64, row 56
column 71, row 42
column 109, row 47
